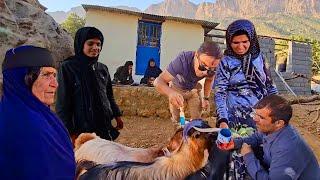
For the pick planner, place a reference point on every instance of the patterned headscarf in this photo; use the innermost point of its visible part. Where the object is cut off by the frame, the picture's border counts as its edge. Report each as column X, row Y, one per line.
column 253, row 77
column 248, row 27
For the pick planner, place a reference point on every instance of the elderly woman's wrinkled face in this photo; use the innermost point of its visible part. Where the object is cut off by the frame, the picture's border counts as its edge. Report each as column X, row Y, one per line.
column 44, row 88
column 92, row 47
column 240, row 44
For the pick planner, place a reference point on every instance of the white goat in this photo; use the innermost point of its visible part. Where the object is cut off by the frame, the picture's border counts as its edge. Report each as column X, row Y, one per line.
column 89, row 146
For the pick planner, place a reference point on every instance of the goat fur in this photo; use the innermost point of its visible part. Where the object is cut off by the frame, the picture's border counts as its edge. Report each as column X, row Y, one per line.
column 191, row 155
column 89, row 146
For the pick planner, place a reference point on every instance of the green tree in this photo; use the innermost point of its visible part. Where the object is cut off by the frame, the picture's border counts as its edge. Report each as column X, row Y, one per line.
column 73, row 23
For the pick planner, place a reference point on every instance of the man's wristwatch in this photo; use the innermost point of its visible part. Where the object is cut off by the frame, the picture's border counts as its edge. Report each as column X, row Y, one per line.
column 206, row 98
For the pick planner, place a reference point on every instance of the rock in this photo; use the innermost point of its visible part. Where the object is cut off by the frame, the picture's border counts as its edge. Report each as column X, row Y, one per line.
column 25, row 22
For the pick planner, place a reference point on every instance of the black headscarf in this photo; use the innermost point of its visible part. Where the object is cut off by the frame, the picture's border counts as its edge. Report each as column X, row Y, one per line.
column 154, row 71
column 34, row 137
column 28, row 56
column 82, row 35
column 253, row 77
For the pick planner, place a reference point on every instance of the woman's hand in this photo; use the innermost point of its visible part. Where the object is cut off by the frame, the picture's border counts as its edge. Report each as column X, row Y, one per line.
column 223, row 125
column 226, row 146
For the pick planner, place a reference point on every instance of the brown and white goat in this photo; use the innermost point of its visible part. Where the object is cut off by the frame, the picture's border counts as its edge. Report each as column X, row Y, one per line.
column 89, row 146
column 191, row 155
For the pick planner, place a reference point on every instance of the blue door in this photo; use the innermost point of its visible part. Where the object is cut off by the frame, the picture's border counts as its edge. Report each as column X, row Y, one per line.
column 148, row 45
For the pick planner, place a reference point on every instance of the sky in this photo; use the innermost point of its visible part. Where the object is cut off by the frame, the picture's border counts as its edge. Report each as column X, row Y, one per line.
column 66, row 5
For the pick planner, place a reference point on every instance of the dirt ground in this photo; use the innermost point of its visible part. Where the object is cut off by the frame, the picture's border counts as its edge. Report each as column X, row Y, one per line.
column 147, row 132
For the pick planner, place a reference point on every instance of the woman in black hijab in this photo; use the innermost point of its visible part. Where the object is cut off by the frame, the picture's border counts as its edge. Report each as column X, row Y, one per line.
column 85, row 99
column 151, row 73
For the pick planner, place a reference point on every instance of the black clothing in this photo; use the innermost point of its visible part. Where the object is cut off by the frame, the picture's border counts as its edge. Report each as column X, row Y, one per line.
column 122, row 75
column 151, row 72
column 85, row 99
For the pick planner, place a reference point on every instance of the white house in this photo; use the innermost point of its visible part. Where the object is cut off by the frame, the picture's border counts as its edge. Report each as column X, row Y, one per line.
column 139, row 36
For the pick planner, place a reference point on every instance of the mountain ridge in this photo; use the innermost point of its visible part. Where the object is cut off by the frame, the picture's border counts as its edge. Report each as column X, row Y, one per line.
column 271, row 17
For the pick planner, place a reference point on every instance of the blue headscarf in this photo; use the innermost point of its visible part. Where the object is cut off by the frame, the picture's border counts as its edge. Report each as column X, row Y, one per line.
column 248, row 27
column 34, row 142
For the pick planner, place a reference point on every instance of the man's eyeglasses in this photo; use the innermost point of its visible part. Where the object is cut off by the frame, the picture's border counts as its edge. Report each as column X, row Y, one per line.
column 203, row 67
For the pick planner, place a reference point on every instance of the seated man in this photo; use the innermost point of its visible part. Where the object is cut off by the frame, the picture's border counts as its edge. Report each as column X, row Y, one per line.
column 286, row 155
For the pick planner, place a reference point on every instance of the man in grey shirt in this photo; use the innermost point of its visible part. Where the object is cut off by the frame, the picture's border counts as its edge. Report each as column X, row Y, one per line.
column 184, row 74
column 285, row 154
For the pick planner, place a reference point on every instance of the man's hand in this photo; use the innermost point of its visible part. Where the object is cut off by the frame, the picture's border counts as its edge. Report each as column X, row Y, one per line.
column 226, row 147
column 205, row 104
column 176, row 99
column 119, row 123
column 245, row 149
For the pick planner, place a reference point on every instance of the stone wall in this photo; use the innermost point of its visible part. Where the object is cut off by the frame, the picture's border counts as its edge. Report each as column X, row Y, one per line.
column 146, row 102
column 299, row 62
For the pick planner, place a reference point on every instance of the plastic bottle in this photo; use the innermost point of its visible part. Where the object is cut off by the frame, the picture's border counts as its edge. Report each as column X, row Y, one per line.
column 182, row 117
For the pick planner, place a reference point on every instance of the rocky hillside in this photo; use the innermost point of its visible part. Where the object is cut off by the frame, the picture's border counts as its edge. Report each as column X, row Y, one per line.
column 25, row 22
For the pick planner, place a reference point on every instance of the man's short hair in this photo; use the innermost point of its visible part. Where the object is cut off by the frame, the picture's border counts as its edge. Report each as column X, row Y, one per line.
column 279, row 107
column 210, row 48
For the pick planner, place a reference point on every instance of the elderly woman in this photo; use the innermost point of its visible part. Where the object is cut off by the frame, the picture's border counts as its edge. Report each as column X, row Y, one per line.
column 243, row 77
column 34, row 142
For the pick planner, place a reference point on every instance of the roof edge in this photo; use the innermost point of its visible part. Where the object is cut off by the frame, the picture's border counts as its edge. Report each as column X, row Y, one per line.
column 203, row 23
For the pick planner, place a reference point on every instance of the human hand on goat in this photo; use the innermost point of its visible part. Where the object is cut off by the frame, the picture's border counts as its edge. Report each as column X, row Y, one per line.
column 176, row 99
column 245, row 149
column 119, row 123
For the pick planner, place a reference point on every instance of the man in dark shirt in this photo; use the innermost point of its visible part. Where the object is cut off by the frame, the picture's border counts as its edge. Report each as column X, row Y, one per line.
column 286, row 154
column 184, row 73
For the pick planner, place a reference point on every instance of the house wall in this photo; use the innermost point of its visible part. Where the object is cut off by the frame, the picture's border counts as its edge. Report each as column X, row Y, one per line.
column 177, row 37
column 120, row 37
column 120, row 33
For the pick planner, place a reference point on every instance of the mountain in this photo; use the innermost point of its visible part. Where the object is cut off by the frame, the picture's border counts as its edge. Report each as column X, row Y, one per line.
column 271, row 17
column 180, row 8
column 128, row 8
column 60, row 16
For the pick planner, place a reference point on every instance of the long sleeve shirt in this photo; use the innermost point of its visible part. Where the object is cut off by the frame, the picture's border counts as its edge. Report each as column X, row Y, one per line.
column 234, row 97
column 285, row 153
